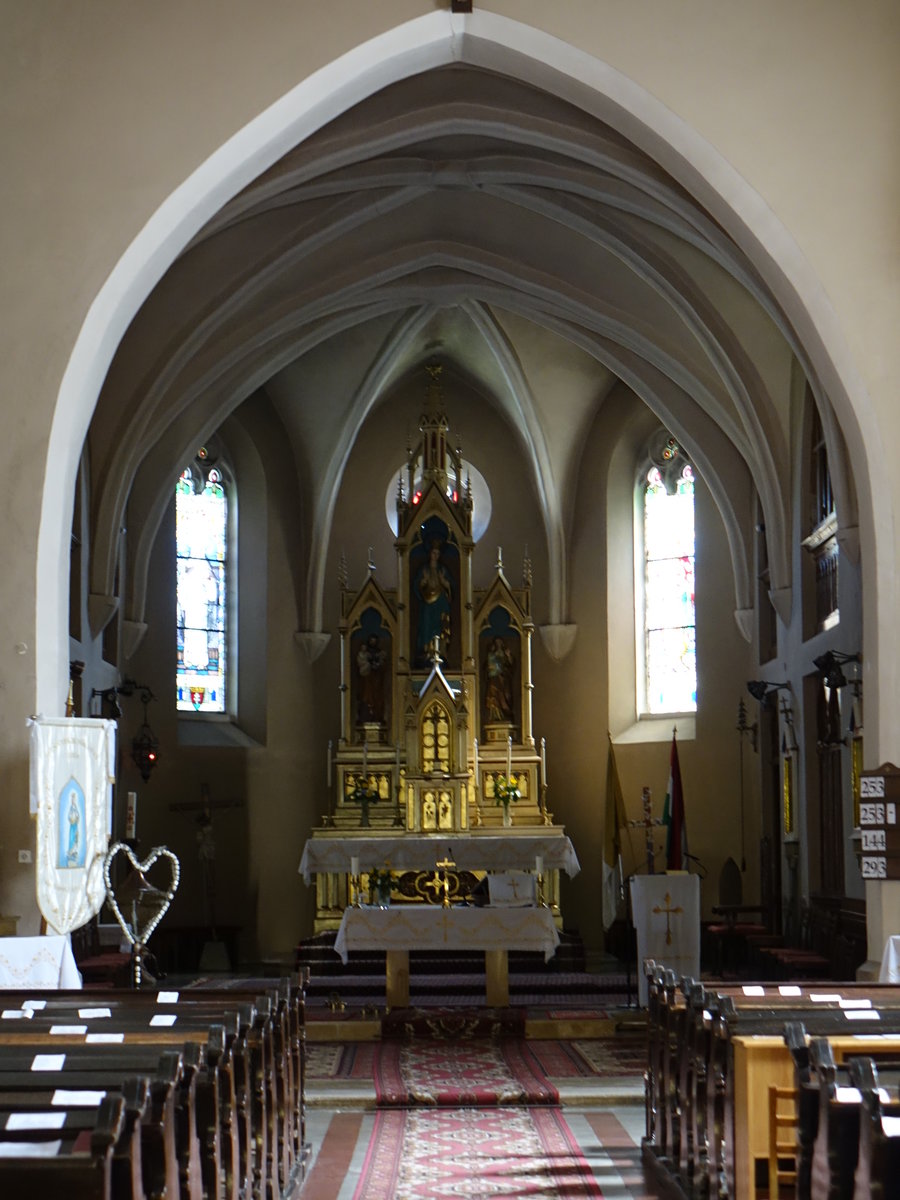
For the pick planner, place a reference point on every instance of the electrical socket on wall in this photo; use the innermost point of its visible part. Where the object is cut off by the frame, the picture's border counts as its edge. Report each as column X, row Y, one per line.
column 24, row 856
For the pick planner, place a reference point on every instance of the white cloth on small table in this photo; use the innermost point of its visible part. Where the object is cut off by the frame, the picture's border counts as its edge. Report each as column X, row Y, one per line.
column 38, row 962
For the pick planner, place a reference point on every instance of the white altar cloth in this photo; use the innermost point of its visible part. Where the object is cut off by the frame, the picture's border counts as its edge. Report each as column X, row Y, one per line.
column 416, row 927
column 38, row 962
column 470, row 852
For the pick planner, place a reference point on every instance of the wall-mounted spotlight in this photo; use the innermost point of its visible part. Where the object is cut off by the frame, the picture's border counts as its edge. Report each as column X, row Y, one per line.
column 830, row 664
column 763, row 691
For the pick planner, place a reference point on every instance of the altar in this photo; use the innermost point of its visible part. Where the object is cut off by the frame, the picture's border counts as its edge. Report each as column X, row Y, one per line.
column 493, row 930
column 435, row 780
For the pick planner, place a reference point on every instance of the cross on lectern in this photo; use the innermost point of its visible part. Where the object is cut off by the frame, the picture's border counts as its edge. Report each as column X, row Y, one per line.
column 648, row 823
column 670, row 912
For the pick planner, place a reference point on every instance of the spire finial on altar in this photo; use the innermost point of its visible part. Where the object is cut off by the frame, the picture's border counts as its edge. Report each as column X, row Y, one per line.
column 342, row 570
column 371, row 562
column 498, row 565
column 527, row 573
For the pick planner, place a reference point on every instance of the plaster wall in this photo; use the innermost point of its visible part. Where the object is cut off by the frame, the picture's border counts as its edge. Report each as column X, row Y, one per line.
column 783, row 119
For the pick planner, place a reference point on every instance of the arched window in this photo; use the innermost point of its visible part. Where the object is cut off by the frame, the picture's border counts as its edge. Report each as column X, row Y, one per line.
column 667, row 654
column 201, row 537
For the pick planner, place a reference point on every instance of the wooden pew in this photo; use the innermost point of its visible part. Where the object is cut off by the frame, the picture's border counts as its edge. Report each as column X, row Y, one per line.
column 76, row 1161
column 259, row 1071
column 878, row 1161
column 711, row 1056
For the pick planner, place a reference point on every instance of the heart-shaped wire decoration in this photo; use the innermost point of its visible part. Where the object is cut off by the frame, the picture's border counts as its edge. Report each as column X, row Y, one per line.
column 161, row 899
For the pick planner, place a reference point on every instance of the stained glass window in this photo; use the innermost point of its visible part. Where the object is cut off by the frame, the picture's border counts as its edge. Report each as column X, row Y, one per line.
column 670, row 652
column 201, row 531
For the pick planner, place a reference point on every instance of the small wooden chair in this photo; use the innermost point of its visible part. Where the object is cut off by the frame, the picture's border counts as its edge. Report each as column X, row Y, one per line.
column 782, row 1116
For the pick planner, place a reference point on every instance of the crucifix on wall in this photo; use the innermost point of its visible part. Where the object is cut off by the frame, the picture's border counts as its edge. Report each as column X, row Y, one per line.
column 205, row 809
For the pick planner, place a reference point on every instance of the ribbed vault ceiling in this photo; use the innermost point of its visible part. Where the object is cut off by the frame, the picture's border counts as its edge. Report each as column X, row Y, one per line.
column 463, row 214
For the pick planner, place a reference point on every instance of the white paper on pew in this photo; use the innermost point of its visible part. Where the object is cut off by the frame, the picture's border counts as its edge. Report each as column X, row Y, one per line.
column 862, row 1014
column 100, row 1039
column 29, row 1149
column 753, row 989
column 91, row 1014
column 890, row 1126
column 36, row 1120
column 847, row 1095
column 48, row 1062
column 68, row 1029
column 31, row 1005
column 164, row 1019
column 16, row 1014
column 789, row 989
column 167, row 998
column 66, row 1098
column 862, row 1002
column 825, row 997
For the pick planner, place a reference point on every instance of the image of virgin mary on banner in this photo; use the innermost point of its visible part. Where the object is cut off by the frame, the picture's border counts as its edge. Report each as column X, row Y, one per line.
column 72, row 773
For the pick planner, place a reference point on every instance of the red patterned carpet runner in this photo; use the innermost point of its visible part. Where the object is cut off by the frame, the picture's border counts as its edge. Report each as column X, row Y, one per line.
column 443, row 1154
column 453, row 1023
column 449, row 1074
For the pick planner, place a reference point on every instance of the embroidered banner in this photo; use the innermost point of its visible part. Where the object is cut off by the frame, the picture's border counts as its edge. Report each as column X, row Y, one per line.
column 71, row 778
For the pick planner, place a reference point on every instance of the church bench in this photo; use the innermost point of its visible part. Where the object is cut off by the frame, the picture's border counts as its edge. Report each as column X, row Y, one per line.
column 694, row 1102
column 76, row 1162
column 878, row 1159
column 170, row 1141
column 34, row 1117
column 262, row 1120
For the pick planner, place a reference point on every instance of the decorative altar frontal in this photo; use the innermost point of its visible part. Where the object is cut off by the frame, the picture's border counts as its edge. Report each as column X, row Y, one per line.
column 666, row 910
column 423, row 928
column 476, row 852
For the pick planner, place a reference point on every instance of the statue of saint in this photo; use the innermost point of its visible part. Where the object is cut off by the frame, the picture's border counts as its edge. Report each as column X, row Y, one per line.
column 434, row 588
column 498, row 692
column 370, row 660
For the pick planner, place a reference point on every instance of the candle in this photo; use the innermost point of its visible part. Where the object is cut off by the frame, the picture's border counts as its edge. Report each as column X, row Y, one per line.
column 539, row 864
column 354, row 864
column 328, row 764
column 508, row 756
column 544, row 761
column 131, row 816
column 476, row 760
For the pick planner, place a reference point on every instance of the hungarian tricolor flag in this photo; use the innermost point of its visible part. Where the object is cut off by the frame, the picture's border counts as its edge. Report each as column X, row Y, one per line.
column 673, row 816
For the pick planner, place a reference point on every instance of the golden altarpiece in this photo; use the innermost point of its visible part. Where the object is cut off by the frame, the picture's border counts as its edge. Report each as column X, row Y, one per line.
column 436, row 714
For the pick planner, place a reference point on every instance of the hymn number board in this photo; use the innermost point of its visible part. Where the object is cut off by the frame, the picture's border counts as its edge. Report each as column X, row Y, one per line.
column 879, row 805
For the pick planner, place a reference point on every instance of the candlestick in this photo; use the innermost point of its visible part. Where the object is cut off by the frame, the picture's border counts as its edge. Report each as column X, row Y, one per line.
column 508, row 756
column 131, row 817
column 544, row 761
column 328, row 764
column 476, row 762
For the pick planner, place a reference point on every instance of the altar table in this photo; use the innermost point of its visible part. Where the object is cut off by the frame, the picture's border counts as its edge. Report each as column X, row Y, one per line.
column 469, row 852
column 403, row 927
column 38, row 962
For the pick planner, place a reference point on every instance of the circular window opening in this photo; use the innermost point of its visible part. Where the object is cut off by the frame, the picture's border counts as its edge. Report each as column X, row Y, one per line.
column 481, row 497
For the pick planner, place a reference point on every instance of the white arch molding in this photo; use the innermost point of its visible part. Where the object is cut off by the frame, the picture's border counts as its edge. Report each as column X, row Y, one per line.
column 437, row 39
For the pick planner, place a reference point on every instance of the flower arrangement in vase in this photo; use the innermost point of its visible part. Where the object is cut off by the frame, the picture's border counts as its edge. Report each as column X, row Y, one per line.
column 380, row 884
column 364, row 793
column 506, row 792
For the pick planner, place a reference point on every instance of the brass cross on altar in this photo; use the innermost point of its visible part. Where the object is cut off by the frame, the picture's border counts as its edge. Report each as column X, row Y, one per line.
column 445, row 865
column 668, row 910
